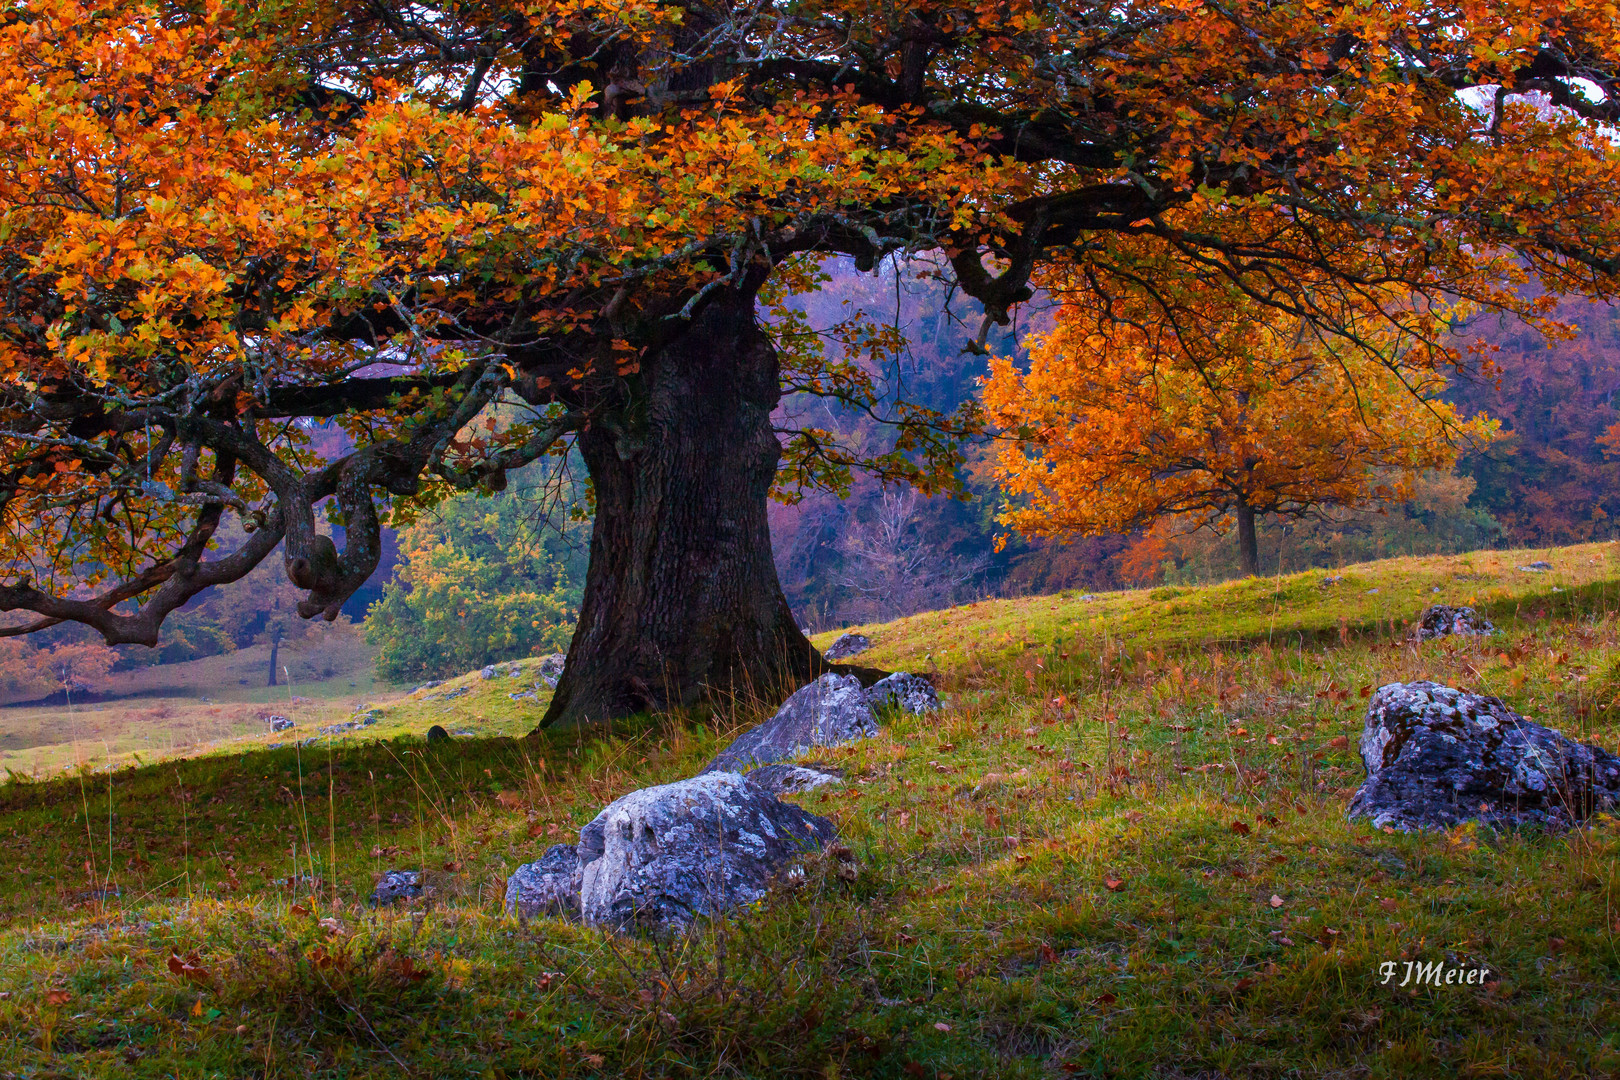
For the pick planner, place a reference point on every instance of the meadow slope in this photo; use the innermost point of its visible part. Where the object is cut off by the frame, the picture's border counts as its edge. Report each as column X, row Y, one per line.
column 1120, row 851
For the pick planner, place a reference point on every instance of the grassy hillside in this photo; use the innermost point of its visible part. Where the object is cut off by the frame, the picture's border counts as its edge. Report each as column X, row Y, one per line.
column 1120, row 852
column 153, row 713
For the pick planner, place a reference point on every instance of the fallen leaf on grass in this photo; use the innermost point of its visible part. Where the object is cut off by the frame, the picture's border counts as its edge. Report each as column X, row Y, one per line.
column 1244, row 983
column 1104, row 999
column 1388, row 903
column 57, row 998
column 190, row 968
column 1133, row 816
column 940, row 1025
column 1114, row 884
column 1339, row 742
column 1276, row 901
column 1240, row 828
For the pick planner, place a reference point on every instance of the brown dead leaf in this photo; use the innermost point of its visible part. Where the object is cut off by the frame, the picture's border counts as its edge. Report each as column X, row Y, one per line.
column 1276, row 901
column 190, row 968
column 1240, row 828
column 1114, row 884
column 57, row 998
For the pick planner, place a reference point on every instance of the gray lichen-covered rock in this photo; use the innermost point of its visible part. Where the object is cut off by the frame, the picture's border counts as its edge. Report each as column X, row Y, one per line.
column 551, row 668
column 488, row 672
column 913, row 693
column 1437, row 757
column 280, row 723
column 833, row 709
column 394, row 886
column 662, row 856
column 547, row 886
column 1440, row 621
column 847, row 645
column 790, row 779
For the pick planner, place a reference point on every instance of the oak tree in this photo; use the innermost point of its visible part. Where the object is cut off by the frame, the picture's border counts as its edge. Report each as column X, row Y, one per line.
column 222, row 223
column 1215, row 418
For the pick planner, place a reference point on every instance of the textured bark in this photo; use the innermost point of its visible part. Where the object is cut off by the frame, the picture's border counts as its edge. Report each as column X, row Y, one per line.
column 1248, row 544
column 681, row 599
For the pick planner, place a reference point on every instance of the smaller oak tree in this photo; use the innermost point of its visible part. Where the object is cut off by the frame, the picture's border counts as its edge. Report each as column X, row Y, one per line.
column 1219, row 414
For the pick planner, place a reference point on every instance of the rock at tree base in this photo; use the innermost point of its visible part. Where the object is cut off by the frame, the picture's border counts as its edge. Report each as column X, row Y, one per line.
column 547, row 886
column 913, row 693
column 1437, row 757
column 662, row 856
column 847, row 645
column 437, row 734
column 1440, row 620
column 551, row 668
column 790, row 779
column 394, row 886
column 833, row 709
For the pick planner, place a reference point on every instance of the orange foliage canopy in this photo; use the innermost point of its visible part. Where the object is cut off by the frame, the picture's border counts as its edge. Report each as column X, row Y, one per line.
column 1121, row 420
column 220, row 223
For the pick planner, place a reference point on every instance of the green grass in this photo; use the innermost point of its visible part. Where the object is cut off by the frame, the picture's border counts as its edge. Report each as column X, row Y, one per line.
column 1051, row 877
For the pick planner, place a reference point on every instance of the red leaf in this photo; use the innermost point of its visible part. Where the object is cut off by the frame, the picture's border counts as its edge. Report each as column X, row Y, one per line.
column 1114, row 884
column 1240, row 828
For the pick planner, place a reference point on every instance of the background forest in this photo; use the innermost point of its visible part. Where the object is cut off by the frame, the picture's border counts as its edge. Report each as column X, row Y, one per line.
column 482, row 579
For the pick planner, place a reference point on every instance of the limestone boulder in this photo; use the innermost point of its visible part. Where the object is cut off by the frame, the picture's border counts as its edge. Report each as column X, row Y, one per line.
column 663, row 856
column 832, row 709
column 1440, row 621
column 551, row 668
column 1437, row 756
column 394, row 886
column 847, row 645
column 903, row 690
column 547, row 886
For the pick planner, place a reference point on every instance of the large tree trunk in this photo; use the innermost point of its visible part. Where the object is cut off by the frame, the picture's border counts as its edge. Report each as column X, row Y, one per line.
column 1248, row 544
column 681, row 599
